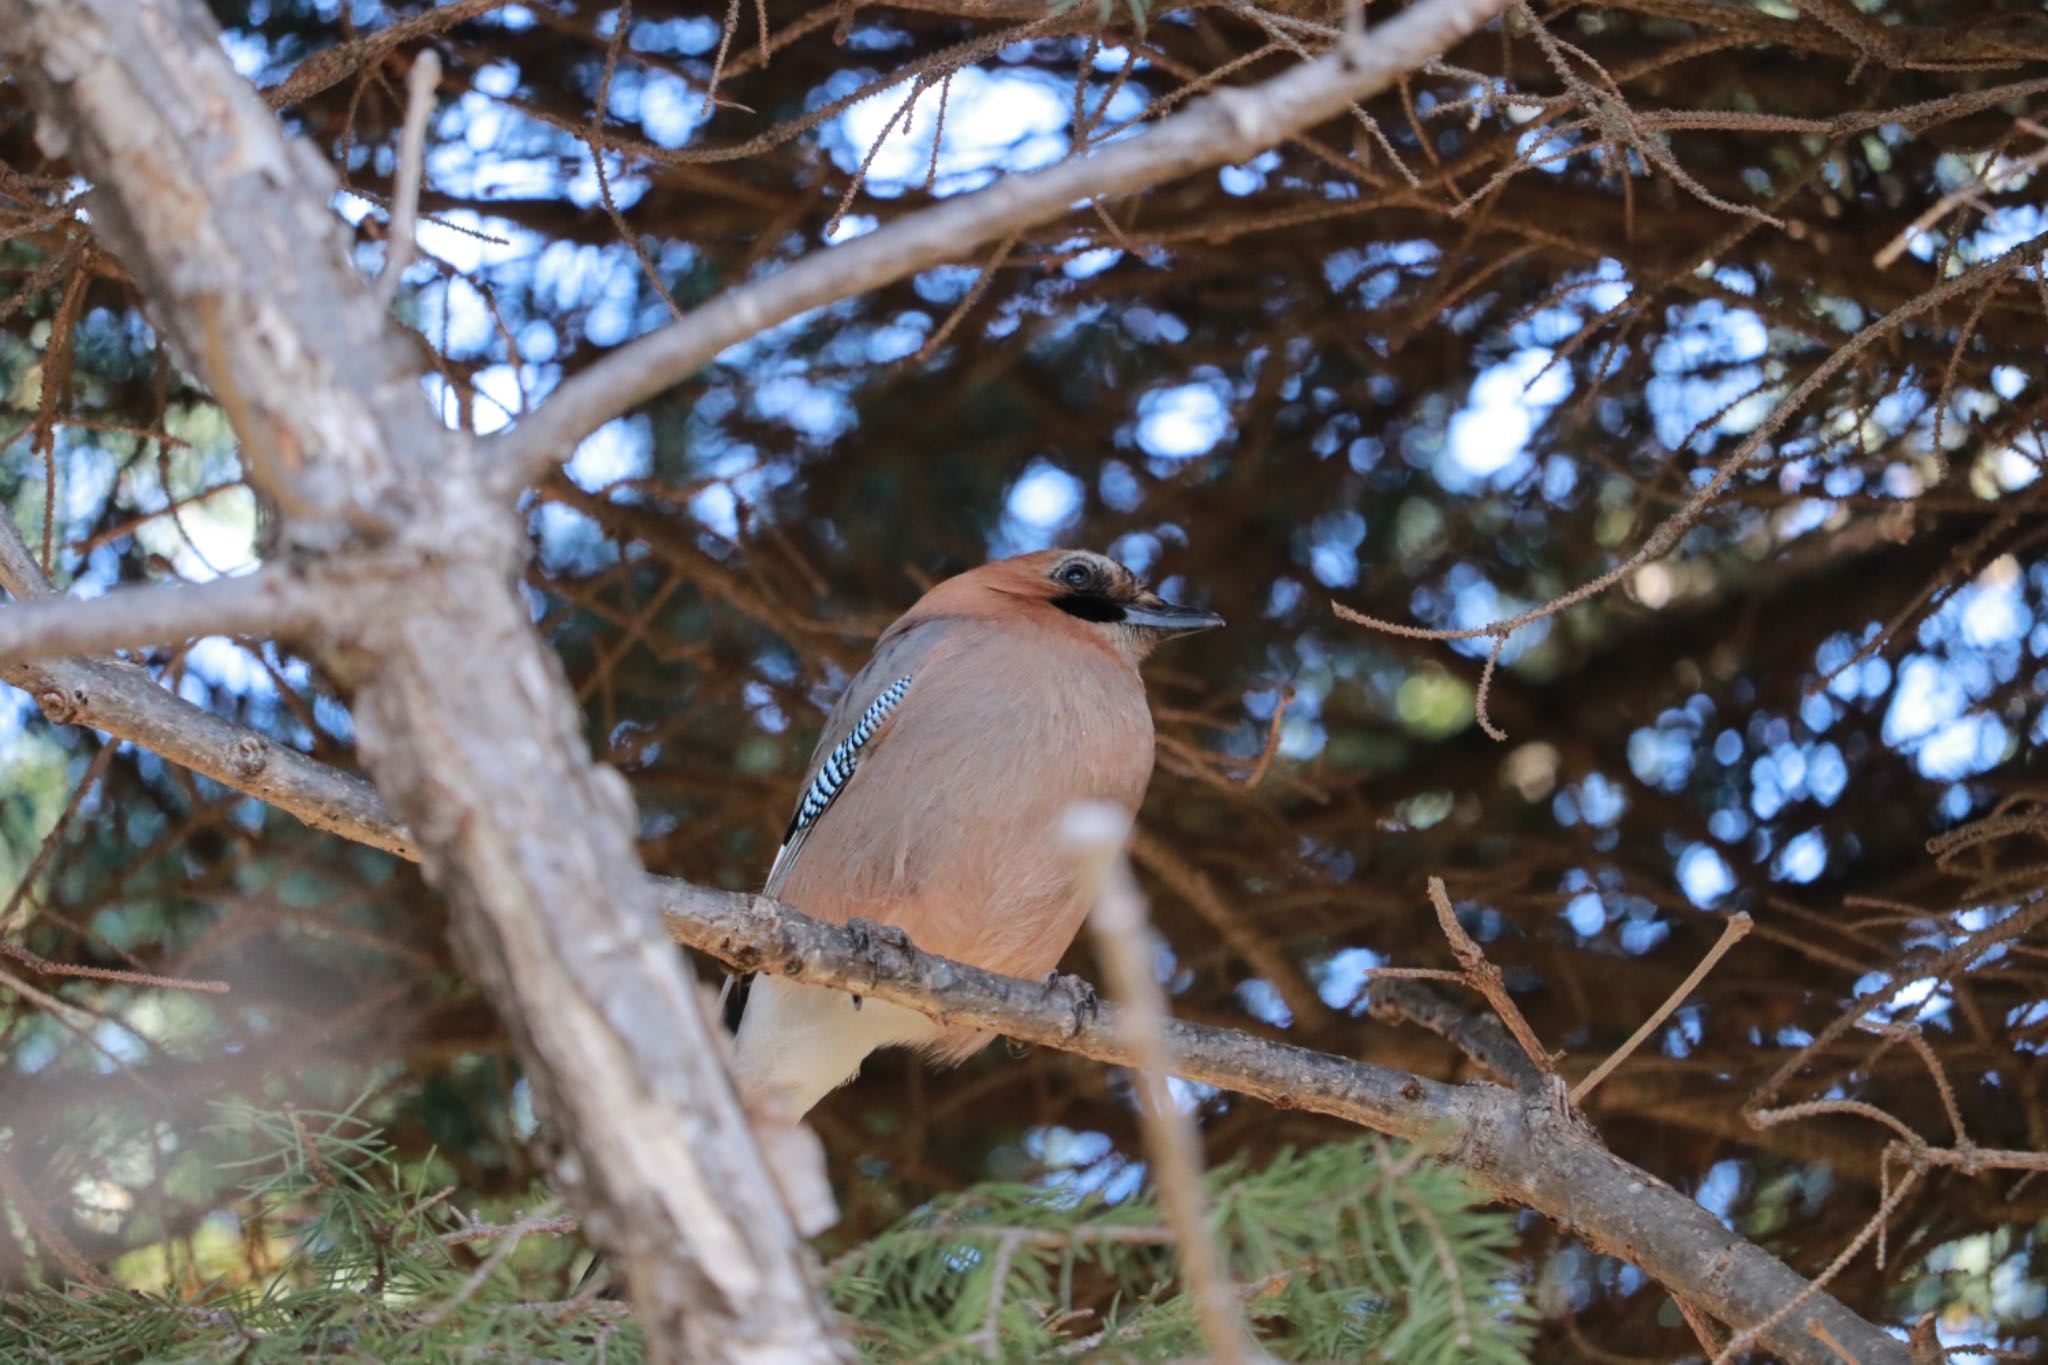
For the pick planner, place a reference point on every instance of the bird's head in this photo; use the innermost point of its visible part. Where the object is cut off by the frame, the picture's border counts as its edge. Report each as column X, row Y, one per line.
column 1080, row 590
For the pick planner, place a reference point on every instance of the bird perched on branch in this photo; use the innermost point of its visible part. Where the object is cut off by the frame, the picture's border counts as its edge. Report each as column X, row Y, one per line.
column 1002, row 697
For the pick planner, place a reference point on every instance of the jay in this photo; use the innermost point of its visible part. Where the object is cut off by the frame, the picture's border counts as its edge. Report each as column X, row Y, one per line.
column 1003, row 696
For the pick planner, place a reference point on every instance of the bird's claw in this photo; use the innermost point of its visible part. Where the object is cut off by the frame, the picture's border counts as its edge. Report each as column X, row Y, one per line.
column 871, row 939
column 1081, row 998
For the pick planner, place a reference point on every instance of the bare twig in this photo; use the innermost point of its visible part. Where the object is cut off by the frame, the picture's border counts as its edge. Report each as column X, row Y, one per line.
column 49, row 1236
column 473, row 1231
column 958, row 314
column 331, row 66
column 1965, row 193
column 36, row 962
column 1484, row 977
column 622, row 27
column 1095, row 834
column 1755, row 1332
column 537, row 1220
column 1826, row 1338
column 421, row 85
column 1738, row 925
column 1912, row 1037
column 1397, row 993
column 13, row 915
column 1263, row 764
column 1702, row 1326
column 1481, row 697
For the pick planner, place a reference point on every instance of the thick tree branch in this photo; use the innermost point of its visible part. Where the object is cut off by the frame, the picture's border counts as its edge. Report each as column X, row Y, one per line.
column 124, row 701
column 1228, row 126
column 269, row 602
column 1521, row 1149
column 463, row 715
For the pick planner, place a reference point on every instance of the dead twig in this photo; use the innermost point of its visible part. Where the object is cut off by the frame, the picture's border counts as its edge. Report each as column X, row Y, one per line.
column 1095, row 833
column 1482, row 976
column 1737, row 927
column 421, row 85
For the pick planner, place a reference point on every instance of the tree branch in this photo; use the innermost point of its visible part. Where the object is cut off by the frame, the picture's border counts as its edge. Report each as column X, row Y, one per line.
column 422, row 85
column 269, row 602
column 1228, row 126
column 126, row 703
column 1481, row 1037
column 1521, row 1150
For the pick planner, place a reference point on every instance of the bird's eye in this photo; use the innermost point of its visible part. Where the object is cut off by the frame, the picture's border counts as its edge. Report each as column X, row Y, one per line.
column 1076, row 575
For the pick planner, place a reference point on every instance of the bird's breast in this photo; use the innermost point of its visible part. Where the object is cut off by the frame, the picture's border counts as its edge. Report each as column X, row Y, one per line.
column 949, row 828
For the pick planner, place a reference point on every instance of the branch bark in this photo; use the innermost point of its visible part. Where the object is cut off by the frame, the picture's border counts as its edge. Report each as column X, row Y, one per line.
column 124, row 701
column 1231, row 125
column 464, row 717
column 1520, row 1149
column 268, row 602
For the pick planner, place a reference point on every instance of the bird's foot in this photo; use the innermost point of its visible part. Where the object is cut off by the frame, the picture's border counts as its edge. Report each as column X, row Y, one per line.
column 871, row 940
column 1081, row 999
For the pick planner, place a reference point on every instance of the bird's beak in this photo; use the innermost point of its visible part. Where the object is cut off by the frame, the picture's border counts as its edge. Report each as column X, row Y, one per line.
column 1151, row 612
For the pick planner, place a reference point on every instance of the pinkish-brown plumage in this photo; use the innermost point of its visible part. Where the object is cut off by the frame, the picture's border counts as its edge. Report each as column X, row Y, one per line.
column 1024, row 697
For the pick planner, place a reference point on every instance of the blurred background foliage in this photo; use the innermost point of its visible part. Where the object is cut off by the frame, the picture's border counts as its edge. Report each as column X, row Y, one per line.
column 1439, row 362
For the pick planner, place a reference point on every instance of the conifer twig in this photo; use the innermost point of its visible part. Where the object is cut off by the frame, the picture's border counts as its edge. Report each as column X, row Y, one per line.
column 537, row 1220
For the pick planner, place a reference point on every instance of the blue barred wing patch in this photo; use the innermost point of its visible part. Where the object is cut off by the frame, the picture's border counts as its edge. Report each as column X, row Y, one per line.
column 837, row 769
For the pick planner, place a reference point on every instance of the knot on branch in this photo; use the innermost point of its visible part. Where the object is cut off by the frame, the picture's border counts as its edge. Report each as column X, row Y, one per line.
column 249, row 756
column 63, row 706
column 774, row 938
column 1550, row 1102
